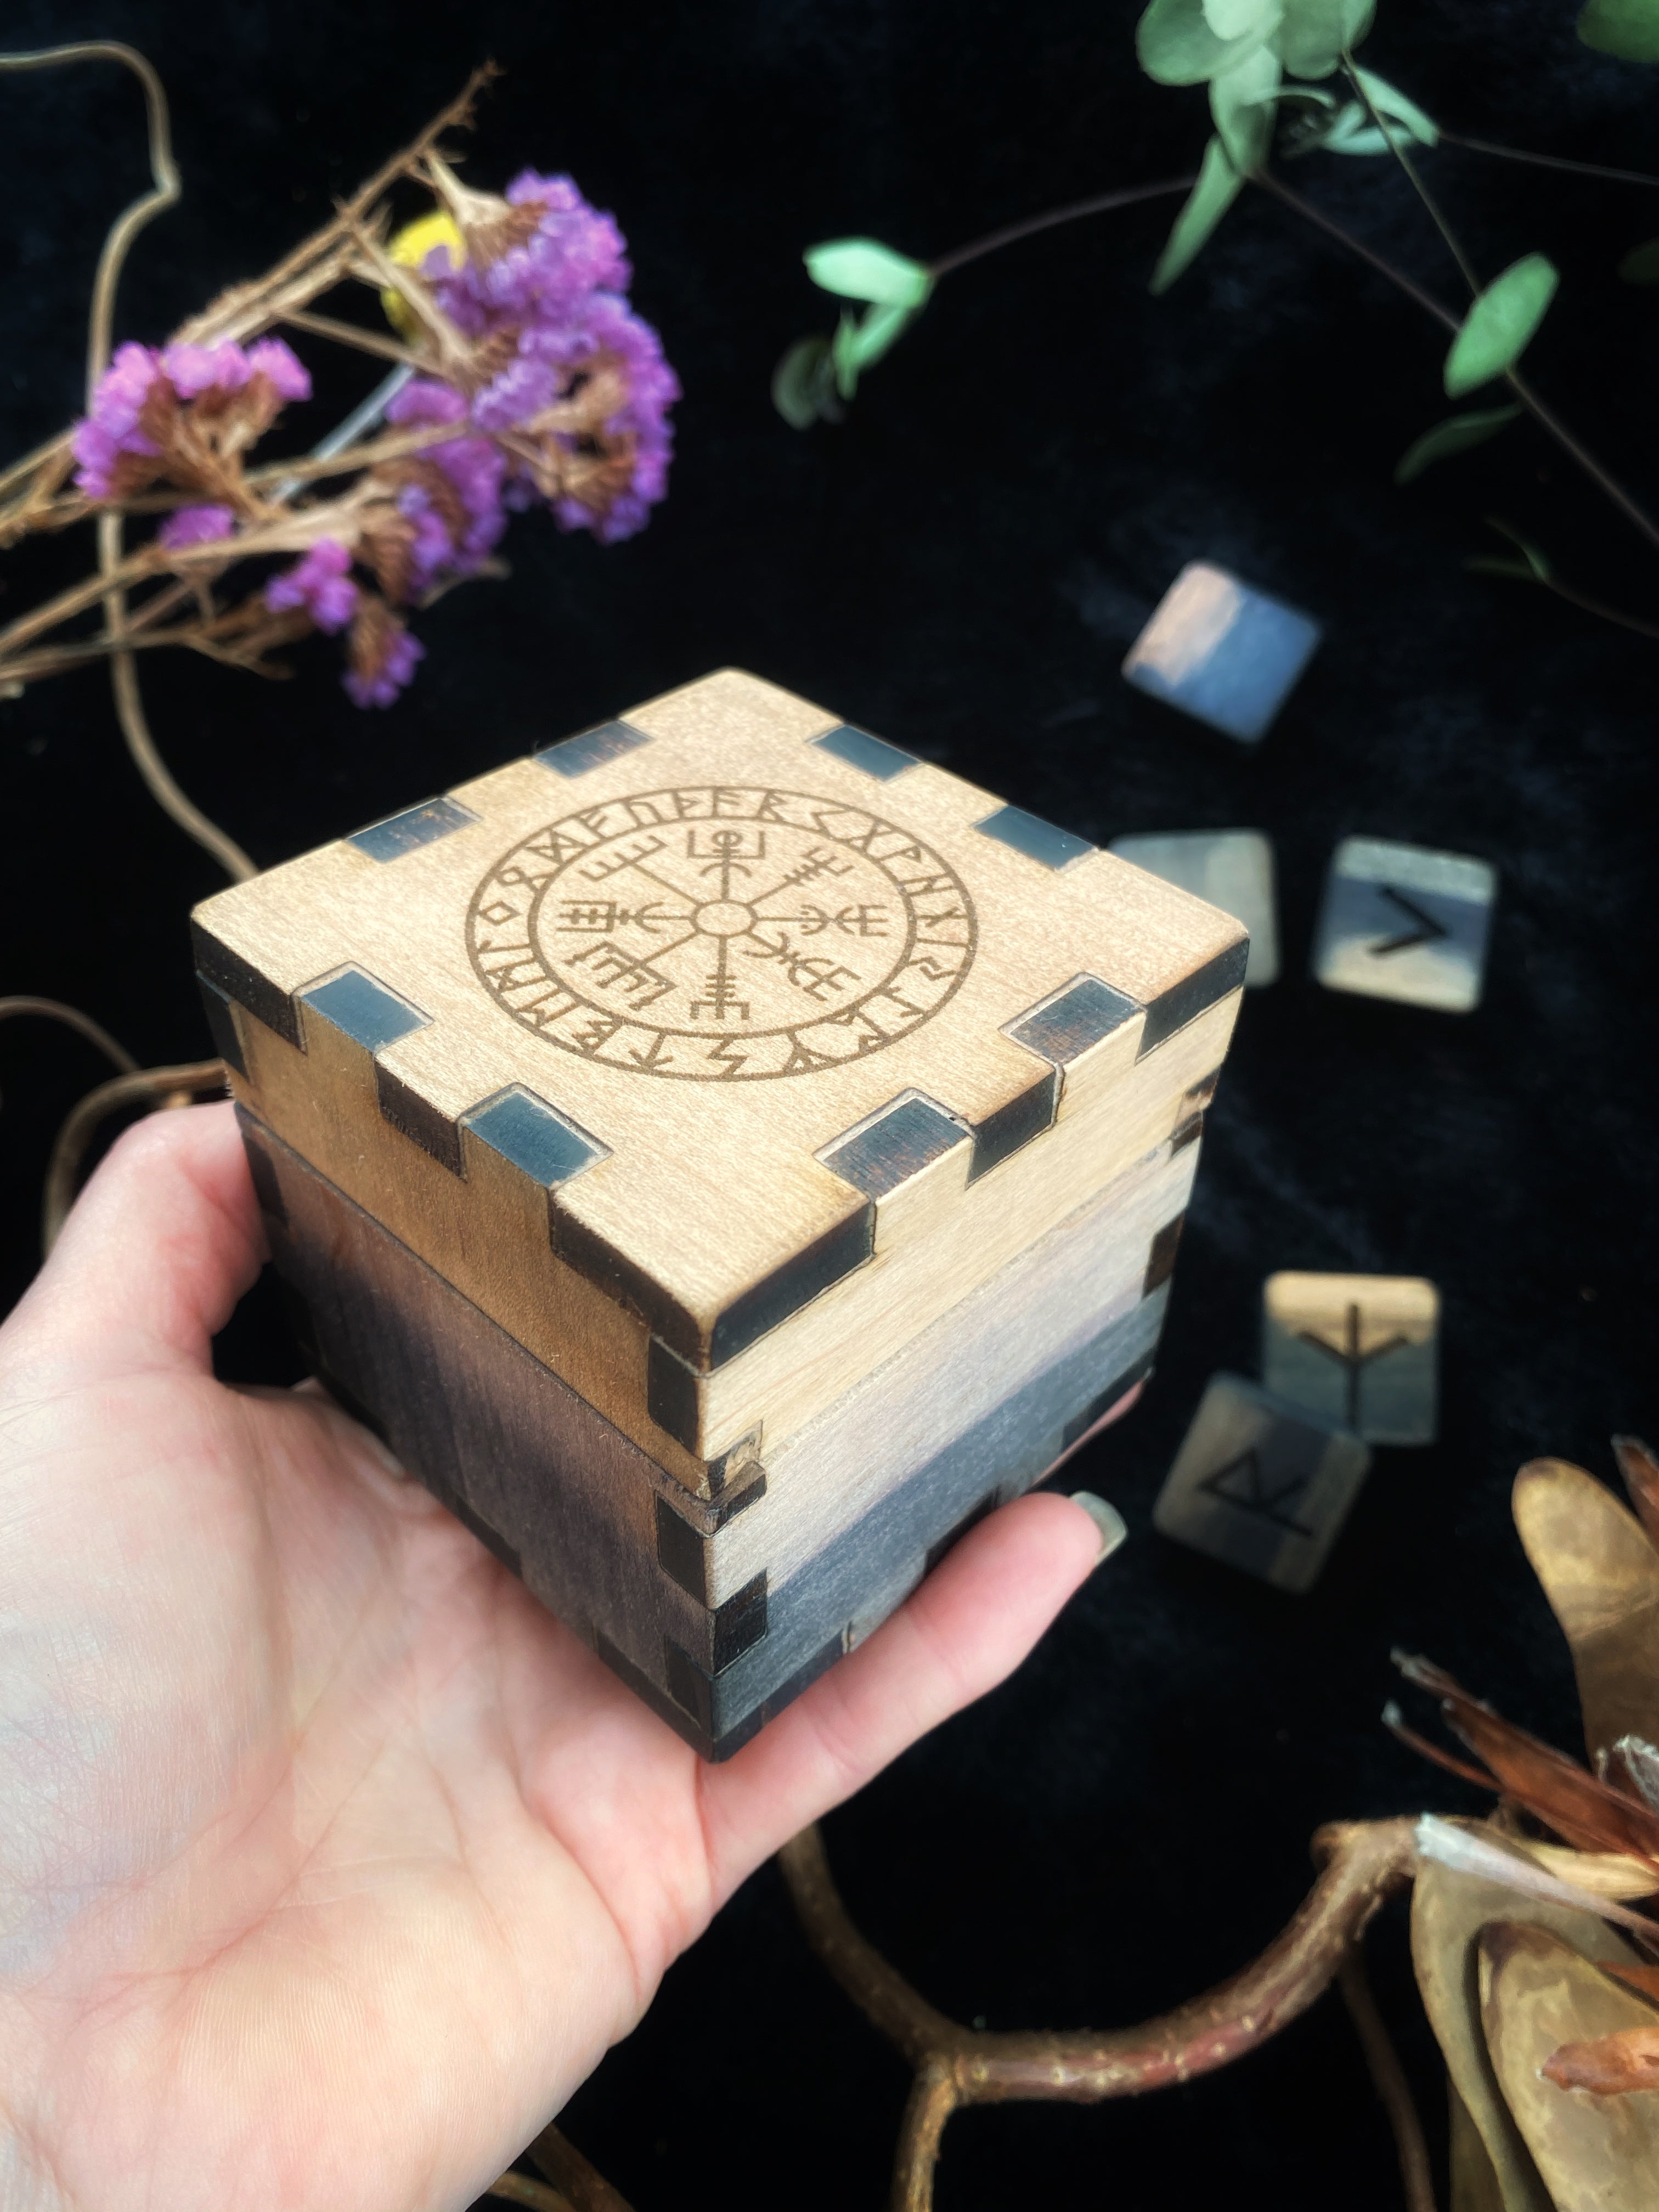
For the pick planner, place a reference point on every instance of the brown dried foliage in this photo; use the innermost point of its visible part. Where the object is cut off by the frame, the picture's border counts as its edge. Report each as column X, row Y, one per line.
column 1587, row 1813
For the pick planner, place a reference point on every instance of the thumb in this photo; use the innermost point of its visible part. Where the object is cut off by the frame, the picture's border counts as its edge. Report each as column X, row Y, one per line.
column 155, row 1253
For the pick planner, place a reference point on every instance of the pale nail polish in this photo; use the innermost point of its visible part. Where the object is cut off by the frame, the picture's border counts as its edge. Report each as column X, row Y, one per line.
column 1107, row 1519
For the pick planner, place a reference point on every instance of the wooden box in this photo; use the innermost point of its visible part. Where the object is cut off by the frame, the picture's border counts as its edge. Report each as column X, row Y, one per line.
column 665, row 1129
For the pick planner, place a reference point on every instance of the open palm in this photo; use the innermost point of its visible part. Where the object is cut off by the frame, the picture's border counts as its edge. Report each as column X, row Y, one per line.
column 330, row 1863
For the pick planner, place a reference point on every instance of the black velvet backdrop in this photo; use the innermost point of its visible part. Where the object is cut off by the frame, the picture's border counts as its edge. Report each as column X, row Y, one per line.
column 960, row 568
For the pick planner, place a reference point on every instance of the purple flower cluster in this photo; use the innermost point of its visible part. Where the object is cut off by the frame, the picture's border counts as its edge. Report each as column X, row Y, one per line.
column 379, row 686
column 558, row 295
column 141, row 390
column 457, row 522
column 566, row 398
column 321, row 583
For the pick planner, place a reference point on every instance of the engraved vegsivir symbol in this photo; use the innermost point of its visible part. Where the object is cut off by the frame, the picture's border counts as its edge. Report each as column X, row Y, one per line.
column 718, row 934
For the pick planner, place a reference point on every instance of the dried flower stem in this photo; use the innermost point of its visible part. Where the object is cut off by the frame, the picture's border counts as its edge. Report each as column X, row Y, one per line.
column 1362, row 1863
column 144, row 1086
column 164, row 189
column 72, row 1017
column 1389, row 2078
column 522, row 2189
column 583, row 2186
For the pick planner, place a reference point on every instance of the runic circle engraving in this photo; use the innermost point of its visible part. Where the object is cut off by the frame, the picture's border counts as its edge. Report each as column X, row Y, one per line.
column 717, row 933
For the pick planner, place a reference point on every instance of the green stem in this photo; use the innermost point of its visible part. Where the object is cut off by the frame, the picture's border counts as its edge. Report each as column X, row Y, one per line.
column 1549, row 161
column 1012, row 232
column 1543, row 416
column 1464, row 266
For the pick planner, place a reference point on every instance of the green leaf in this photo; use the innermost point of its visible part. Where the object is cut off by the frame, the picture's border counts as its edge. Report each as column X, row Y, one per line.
column 859, row 345
column 1488, row 564
column 1242, row 101
column 1175, row 44
column 1218, row 186
column 1455, row 436
column 861, row 268
column 1238, row 19
column 1629, row 28
column 1641, row 264
column 1500, row 325
column 1392, row 104
column 1316, row 33
column 804, row 384
column 1533, row 565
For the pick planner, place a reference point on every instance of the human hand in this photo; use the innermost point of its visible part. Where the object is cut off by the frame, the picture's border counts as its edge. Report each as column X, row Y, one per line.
column 331, row 1863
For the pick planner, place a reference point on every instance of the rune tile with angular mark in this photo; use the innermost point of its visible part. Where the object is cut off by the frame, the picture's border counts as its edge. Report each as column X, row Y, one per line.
column 1261, row 1485
column 1360, row 1350
column 1400, row 921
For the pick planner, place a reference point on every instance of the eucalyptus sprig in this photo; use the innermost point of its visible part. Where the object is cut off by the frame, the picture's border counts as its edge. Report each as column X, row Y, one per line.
column 1282, row 81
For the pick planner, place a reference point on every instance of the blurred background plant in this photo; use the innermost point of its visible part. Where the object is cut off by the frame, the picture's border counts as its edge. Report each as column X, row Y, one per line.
column 1283, row 80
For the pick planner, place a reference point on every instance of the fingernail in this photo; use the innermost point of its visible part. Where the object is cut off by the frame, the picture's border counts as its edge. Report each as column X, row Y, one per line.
column 1107, row 1519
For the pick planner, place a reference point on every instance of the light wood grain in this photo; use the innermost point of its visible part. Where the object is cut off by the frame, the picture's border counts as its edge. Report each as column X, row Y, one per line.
column 711, row 1188
column 836, row 1541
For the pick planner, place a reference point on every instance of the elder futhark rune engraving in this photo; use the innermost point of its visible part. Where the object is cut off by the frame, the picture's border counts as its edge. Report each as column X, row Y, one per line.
column 719, row 933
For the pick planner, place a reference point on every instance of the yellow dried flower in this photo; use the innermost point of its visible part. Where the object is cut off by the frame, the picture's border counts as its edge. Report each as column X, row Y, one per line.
column 409, row 249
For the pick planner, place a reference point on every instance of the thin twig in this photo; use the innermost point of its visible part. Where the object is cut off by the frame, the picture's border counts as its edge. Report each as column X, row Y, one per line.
column 71, row 1017
column 1544, row 417
column 349, row 334
column 1362, row 1863
column 1389, row 2078
column 318, row 261
column 135, row 726
column 1547, row 160
column 583, row 2183
column 1012, row 232
column 146, row 1086
column 1397, row 147
column 164, row 176
column 522, row 2189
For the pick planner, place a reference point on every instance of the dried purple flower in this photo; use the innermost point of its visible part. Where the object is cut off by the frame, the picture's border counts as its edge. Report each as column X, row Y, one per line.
column 321, row 583
column 283, row 367
column 383, row 655
column 195, row 525
column 191, row 370
column 111, row 426
column 586, row 379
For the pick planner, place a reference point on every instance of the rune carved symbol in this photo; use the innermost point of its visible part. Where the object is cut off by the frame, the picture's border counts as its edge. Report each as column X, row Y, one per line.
column 716, row 932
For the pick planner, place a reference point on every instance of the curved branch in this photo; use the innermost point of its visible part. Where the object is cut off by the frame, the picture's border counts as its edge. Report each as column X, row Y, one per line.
column 1389, row 2079
column 934, row 2096
column 1362, row 1863
column 151, row 1086
column 164, row 175
column 71, row 1017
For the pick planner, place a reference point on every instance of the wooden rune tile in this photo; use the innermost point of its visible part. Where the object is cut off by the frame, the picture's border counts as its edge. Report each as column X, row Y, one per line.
column 715, row 938
column 1399, row 921
column 1233, row 869
column 1360, row 1350
column 1222, row 651
column 1261, row 1484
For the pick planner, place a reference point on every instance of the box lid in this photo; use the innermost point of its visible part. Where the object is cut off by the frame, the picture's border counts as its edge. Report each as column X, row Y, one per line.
column 751, row 993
